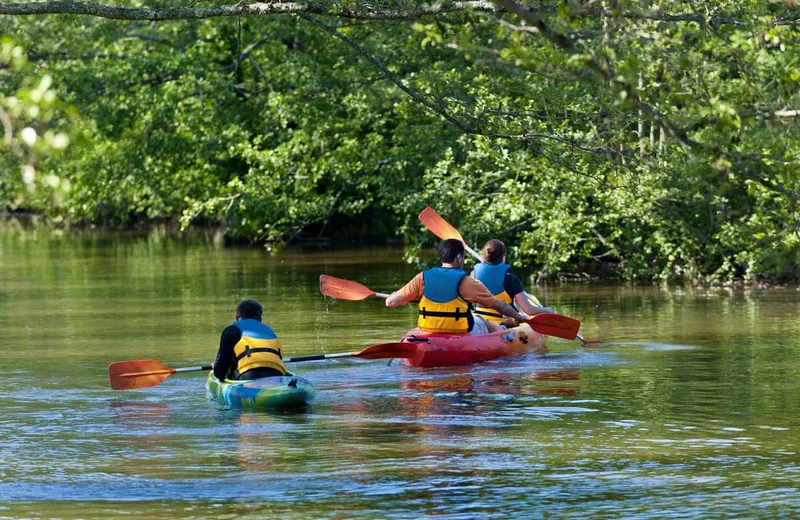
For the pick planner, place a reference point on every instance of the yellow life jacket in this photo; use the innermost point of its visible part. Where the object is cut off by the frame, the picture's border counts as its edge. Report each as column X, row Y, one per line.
column 493, row 277
column 441, row 308
column 258, row 348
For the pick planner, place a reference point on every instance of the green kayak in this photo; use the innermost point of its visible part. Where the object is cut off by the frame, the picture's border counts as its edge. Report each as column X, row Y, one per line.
column 267, row 393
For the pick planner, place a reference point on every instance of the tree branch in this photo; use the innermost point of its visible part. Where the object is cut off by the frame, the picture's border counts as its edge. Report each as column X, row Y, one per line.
column 602, row 69
column 391, row 76
column 790, row 15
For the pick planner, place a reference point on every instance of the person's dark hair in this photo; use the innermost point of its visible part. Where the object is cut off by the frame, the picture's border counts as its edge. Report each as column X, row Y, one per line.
column 493, row 251
column 249, row 310
column 449, row 249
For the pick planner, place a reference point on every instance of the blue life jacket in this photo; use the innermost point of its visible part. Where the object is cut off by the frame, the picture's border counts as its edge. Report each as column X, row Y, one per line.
column 493, row 276
column 441, row 308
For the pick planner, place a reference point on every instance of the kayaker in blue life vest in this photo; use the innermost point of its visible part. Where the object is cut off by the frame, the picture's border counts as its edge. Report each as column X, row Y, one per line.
column 445, row 294
column 495, row 274
column 248, row 349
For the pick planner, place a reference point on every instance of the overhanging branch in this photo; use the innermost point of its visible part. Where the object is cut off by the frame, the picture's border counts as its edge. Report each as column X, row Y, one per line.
column 789, row 16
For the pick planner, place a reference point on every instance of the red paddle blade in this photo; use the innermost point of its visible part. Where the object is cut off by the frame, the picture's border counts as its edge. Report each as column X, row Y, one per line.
column 388, row 351
column 437, row 225
column 142, row 373
column 555, row 325
column 343, row 289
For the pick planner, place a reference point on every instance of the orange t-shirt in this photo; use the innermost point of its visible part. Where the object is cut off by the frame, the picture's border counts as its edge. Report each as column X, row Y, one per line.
column 470, row 289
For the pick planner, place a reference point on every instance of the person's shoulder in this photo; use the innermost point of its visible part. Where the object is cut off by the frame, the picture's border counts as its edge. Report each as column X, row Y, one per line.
column 470, row 281
column 231, row 329
column 511, row 276
column 513, row 284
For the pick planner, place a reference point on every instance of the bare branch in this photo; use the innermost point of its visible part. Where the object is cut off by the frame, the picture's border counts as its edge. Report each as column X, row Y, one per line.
column 440, row 108
column 750, row 166
column 391, row 76
column 791, row 16
column 600, row 68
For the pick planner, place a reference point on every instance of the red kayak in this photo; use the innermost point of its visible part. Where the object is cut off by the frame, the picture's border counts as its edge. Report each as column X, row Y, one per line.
column 445, row 350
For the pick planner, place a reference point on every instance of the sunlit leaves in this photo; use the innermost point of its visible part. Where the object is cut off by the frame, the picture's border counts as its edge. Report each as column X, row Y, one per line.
column 35, row 123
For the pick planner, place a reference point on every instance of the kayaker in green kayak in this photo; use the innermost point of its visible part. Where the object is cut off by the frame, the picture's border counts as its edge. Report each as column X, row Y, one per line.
column 248, row 349
column 445, row 294
column 495, row 274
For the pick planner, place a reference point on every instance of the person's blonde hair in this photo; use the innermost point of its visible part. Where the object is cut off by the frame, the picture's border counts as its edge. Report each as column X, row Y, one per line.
column 493, row 251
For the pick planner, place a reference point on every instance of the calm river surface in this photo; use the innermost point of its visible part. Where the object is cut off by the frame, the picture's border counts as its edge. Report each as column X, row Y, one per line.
column 692, row 409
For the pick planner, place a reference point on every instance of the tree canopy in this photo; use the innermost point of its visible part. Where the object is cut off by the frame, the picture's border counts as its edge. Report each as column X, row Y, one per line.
column 634, row 139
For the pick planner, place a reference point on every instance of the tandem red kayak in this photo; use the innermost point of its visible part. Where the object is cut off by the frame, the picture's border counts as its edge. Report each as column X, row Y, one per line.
column 445, row 350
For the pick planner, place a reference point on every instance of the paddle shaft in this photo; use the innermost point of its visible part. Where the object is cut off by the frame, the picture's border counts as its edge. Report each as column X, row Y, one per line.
column 167, row 371
column 318, row 357
column 474, row 254
column 295, row 359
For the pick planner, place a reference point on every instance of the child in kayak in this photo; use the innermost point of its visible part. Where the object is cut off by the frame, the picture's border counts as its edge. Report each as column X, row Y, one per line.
column 445, row 294
column 248, row 349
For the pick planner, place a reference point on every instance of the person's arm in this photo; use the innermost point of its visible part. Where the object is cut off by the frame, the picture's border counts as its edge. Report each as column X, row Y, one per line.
column 507, row 310
column 529, row 308
column 395, row 299
column 410, row 291
column 474, row 291
column 513, row 286
column 227, row 340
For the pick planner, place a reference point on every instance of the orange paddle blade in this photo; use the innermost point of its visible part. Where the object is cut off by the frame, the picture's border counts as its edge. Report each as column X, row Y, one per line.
column 555, row 325
column 142, row 373
column 437, row 225
column 343, row 289
column 388, row 350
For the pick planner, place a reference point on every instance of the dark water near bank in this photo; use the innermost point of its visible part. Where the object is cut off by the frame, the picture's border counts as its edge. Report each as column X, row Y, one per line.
column 690, row 410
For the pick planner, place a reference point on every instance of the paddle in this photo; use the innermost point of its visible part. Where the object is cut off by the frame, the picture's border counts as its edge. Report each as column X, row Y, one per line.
column 549, row 324
column 345, row 289
column 144, row 373
column 444, row 230
column 555, row 325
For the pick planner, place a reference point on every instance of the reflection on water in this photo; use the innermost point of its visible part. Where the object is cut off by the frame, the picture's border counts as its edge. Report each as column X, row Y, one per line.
column 690, row 409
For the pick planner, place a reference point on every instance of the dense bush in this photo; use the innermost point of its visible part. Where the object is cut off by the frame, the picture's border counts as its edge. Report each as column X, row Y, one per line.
column 285, row 132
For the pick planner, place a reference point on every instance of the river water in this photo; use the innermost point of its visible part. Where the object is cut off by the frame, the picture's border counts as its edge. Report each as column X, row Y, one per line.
column 690, row 409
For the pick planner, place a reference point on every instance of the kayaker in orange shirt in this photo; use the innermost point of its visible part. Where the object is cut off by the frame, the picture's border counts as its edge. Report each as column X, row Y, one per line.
column 445, row 294
column 495, row 274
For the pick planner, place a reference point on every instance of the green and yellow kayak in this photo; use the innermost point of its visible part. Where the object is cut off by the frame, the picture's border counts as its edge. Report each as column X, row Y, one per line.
column 267, row 393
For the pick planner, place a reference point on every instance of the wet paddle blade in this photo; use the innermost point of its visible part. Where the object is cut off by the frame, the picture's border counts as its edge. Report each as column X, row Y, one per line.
column 142, row 373
column 555, row 325
column 437, row 225
column 388, row 351
column 343, row 289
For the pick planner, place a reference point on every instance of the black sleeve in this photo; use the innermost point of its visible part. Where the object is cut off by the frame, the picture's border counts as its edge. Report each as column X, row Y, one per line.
column 229, row 338
column 512, row 285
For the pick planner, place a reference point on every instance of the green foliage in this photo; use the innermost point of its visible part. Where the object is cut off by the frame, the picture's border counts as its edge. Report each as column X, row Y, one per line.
column 32, row 119
column 284, row 133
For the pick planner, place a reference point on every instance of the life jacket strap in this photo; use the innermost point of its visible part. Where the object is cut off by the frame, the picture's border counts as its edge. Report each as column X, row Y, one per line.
column 458, row 315
column 250, row 351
